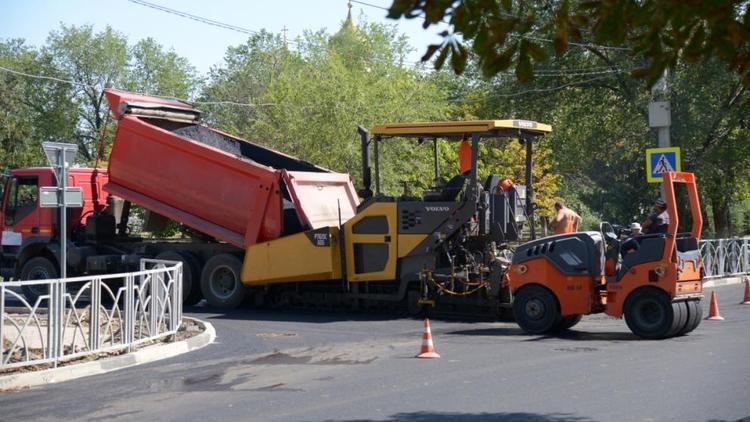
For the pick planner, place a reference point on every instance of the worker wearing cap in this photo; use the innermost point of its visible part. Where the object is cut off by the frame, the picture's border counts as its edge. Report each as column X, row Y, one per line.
column 631, row 243
column 658, row 222
column 565, row 221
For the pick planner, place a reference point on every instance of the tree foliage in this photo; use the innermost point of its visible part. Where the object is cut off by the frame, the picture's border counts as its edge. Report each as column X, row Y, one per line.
column 600, row 130
column 30, row 110
column 310, row 100
column 507, row 33
column 35, row 110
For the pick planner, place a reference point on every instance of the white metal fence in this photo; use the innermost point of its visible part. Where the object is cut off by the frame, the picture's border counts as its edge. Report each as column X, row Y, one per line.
column 87, row 315
column 725, row 257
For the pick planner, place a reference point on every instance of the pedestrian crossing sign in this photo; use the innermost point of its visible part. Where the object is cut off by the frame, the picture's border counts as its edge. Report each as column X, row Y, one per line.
column 661, row 160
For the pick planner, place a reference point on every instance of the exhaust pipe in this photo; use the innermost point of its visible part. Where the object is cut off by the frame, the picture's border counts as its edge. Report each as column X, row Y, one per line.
column 366, row 191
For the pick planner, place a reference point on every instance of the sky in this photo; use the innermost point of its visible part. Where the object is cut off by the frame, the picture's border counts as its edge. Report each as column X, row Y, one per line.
column 202, row 44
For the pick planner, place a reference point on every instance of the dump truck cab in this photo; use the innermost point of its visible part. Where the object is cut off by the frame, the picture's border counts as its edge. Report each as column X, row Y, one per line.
column 656, row 284
column 30, row 232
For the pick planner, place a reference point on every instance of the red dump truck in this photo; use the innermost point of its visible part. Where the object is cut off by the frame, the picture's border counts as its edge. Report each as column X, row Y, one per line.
column 227, row 192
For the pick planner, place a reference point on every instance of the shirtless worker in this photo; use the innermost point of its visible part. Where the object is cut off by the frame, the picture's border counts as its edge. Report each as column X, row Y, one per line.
column 565, row 221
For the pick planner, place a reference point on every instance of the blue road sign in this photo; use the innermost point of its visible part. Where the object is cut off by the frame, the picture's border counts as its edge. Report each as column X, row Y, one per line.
column 661, row 160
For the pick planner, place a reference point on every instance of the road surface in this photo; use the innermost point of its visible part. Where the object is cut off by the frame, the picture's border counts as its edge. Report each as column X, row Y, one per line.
column 305, row 366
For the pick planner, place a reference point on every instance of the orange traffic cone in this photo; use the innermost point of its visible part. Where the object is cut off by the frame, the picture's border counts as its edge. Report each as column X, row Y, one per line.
column 713, row 310
column 427, row 351
column 746, row 300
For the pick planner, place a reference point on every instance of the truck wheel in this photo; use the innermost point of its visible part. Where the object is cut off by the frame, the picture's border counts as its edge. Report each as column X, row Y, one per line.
column 39, row 268
column 220, row 281
column 649, row 313
column 536, row 310
column 191, row 274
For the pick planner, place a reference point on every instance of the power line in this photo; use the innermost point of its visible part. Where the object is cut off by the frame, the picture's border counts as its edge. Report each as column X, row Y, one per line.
column 49, row 78
column 52, row 78
column 532, row 91
column 230, row 27
column 196, row 17
column 375, row 6
column 233, row 103
column 573, row 72
column 577, row 44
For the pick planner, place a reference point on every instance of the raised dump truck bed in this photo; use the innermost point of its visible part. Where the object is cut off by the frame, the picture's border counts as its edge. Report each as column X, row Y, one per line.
column 233, row 190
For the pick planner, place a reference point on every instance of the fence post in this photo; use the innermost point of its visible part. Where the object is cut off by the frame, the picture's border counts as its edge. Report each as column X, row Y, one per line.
column 128, row 328
column 177, row 299
column 155, row 289
column 54, row 320
column 2, row 322
column 96, row 300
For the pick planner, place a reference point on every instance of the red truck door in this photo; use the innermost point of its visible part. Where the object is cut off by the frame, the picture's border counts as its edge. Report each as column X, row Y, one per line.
column 21, row 212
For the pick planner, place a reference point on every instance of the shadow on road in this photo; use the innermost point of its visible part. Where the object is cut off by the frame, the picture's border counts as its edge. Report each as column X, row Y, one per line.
column 320, row 316
column 499, row 331
column 287, row 315
column 584, row 336
column 566, row 335
column 499, row 416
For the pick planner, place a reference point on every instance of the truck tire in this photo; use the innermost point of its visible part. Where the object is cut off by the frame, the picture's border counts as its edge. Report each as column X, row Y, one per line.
column 649, row 313
column 38, row 268
column 220, row 281
column 536, row 310
column 191, row 274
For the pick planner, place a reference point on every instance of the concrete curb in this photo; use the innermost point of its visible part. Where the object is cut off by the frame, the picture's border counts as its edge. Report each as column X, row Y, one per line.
column 101, row 366
column 723, row 282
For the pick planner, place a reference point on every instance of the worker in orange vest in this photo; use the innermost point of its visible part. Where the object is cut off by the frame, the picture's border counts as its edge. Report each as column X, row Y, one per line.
column 464, row 156
column 565, row 221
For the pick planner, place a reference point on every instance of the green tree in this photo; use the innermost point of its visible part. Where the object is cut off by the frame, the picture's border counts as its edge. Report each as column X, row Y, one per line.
column 153, row 70
column 507, row 33
column 31, row 110
column 320, row 91
column 95, row 61
column 244, row 77
column 711, row 122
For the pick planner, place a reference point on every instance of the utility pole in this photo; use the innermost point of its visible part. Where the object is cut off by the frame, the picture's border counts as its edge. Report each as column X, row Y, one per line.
column 284, row 29
column 660, row 114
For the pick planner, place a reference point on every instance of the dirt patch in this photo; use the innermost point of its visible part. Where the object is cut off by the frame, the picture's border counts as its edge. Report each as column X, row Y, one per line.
column 279, row 358
column 356, row 356
column 271, row 335
column 276, row 387
column 576, row 349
